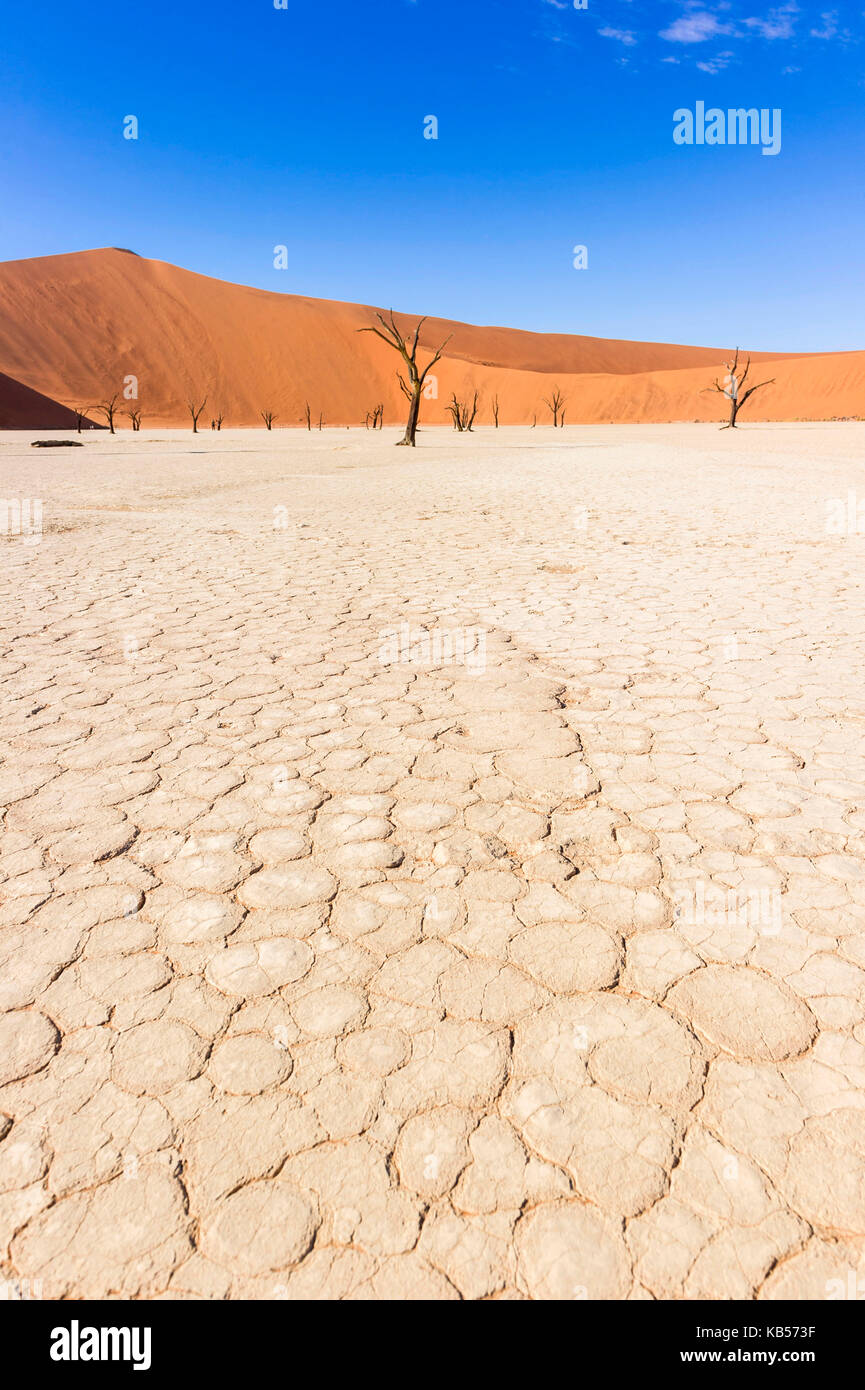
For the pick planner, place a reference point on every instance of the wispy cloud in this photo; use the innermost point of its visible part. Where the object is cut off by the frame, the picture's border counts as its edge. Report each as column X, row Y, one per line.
column 623, row 35
column 716, row 64
column 830, row 26
column 778, row 23
column 696, row 27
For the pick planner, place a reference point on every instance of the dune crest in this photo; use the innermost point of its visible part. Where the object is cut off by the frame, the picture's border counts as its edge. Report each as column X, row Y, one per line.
column 72, row 327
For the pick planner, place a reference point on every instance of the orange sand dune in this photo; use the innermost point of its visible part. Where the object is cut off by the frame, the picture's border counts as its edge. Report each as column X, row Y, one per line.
column 74, row 327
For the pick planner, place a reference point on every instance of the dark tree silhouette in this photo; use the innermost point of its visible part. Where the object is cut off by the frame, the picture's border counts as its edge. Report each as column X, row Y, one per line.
column 496, row 411
column 456, row 410
column 268, row 417
column 195, row 412
column 135, row 417
column 375, row 417
column 219, row 419
column 732, row 388
column 463, row 413
column 80, row 413
column 108, row 408
column 555, row 402
column 412, row 388
column 308, row 416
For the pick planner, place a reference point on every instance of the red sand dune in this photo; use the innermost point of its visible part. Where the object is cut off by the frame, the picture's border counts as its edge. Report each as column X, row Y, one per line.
column 73, row 327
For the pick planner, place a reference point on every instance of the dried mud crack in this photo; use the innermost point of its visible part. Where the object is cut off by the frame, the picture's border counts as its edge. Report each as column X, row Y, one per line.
column 409, row 890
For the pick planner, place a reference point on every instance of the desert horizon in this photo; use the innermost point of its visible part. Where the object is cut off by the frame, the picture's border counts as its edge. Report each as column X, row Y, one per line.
column 246, row 351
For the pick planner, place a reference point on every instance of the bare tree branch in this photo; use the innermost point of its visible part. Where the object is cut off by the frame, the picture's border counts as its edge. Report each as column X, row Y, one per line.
column 555, row 403
column 732, row 388
column 411, row 389
column 108, row 408
column 195, row 412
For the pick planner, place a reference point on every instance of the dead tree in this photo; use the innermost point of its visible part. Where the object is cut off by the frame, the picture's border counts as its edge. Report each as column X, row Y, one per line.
column 555, row 402
column 195, row 412
column 463, row 413
column 80, row 413
column 268, row 417
column 135, row 417
column 109, row 410
column 320, row 420
column 732, row 388
column 456, row 410
column 308, row 416
column 496, row 411
column 411, row 389
column 219, row 419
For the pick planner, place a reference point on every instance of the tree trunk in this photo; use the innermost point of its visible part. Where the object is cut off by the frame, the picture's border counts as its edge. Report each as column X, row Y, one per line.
column 413, row 413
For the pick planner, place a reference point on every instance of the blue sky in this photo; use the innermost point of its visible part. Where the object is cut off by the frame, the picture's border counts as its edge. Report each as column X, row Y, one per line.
column 304, row 127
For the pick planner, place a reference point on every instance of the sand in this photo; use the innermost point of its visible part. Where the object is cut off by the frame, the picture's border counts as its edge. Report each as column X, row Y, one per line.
column 434, row 874
column 76, row 327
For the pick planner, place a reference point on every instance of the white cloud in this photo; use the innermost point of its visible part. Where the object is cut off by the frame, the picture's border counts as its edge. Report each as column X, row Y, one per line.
column 830, row 26
column 716, row 65
column 623, row 35
column 778, row 24
column 694, row 28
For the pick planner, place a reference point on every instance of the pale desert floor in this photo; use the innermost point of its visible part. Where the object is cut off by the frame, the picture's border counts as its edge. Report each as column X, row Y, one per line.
column 534, row 973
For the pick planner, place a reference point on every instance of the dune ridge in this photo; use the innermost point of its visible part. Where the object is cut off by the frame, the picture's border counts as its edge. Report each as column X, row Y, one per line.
column 74, row 326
